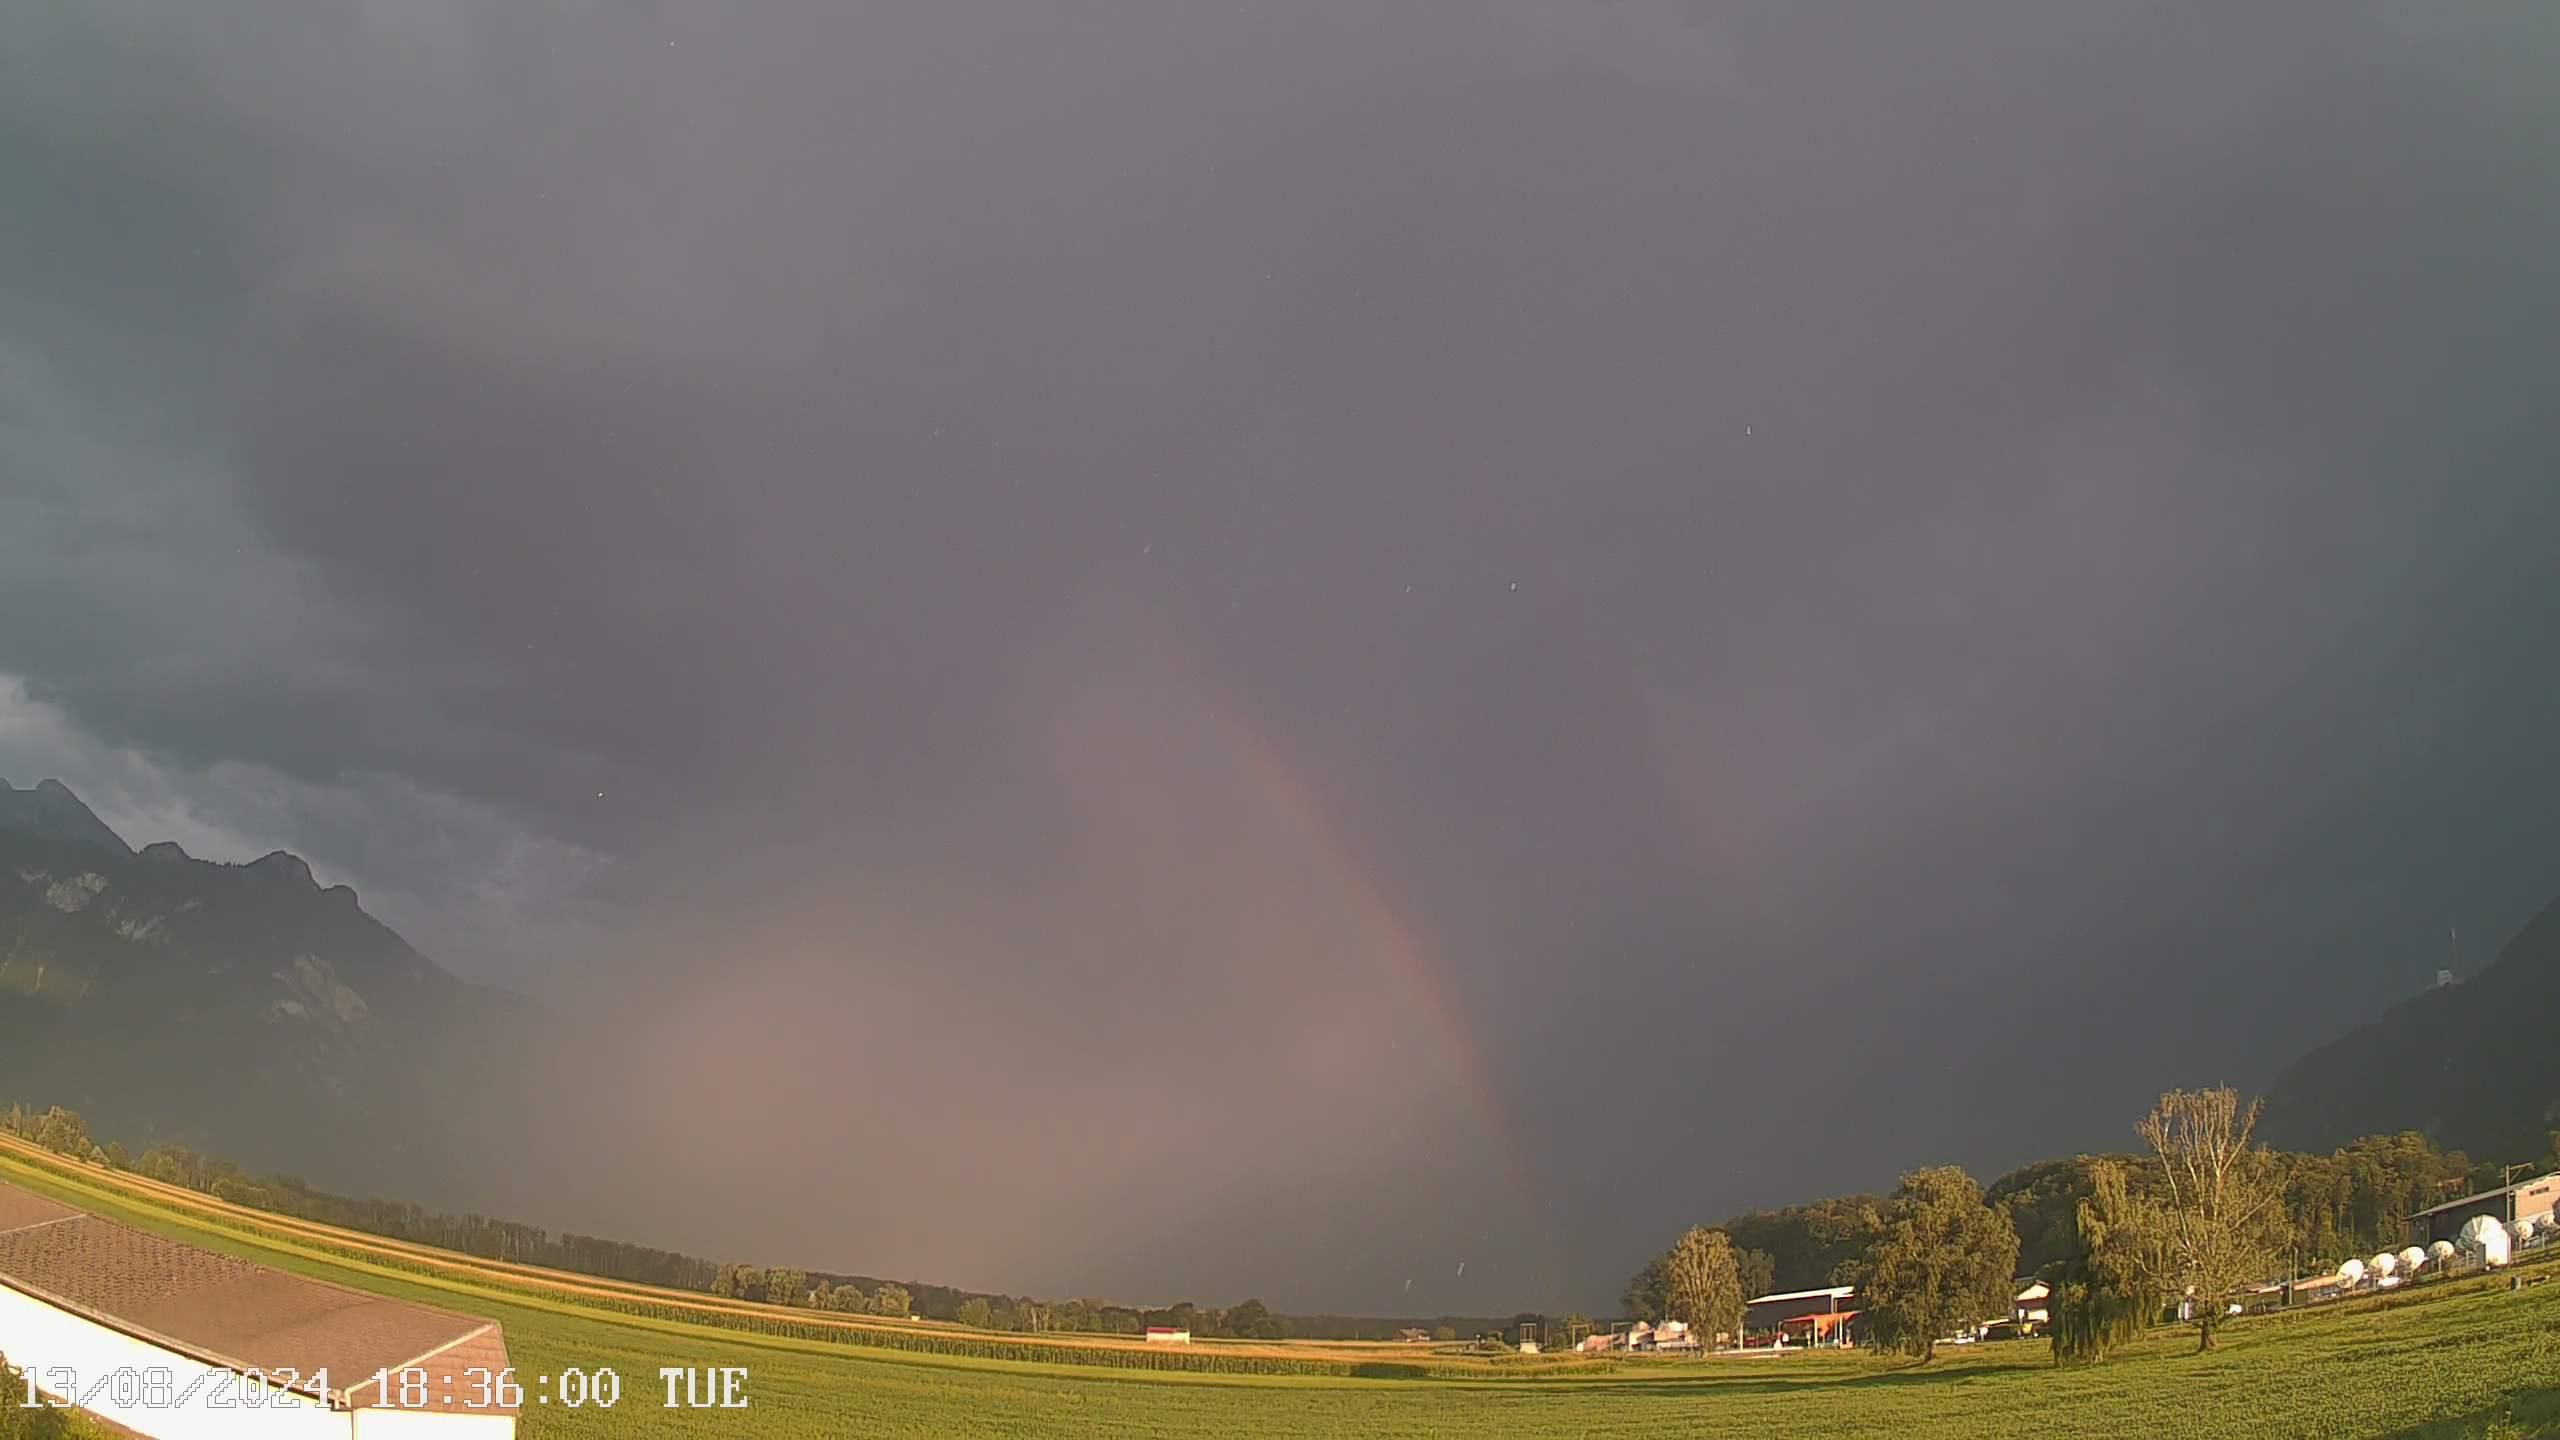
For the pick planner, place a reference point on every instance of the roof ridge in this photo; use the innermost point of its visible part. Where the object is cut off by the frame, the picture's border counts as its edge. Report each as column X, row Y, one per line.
column 415, row 1361
column 40, row 1224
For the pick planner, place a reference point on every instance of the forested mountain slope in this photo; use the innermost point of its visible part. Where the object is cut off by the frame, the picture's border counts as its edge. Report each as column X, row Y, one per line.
column 2473, row 1065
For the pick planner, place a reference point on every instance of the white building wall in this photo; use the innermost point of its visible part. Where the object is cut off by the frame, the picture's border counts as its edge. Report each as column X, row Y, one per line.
column 432, row 1425
column 40, row 1337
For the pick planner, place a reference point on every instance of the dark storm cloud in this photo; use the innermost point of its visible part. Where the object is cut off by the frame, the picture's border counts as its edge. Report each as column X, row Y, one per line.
column 1668, row 538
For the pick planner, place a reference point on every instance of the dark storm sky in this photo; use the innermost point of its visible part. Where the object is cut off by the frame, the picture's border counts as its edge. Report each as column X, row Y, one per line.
column 1216, row 648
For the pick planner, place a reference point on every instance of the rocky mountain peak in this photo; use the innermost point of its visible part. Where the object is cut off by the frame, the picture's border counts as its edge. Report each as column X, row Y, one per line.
column 52, row 811
column 285, row 866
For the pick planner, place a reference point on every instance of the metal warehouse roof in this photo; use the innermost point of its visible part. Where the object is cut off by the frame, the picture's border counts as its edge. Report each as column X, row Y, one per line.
column 1830, row 1292
column 2499, row 1193
column 226, row 1311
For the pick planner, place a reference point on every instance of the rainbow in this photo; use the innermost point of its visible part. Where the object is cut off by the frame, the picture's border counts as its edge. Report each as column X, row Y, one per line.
column 1394, row 943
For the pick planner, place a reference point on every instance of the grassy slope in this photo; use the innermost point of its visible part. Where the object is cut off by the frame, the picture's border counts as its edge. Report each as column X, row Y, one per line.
column 2468, row 1361
column 508, row 1278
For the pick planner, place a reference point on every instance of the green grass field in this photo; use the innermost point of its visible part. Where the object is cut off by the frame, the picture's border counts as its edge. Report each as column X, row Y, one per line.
column 2470, row 1359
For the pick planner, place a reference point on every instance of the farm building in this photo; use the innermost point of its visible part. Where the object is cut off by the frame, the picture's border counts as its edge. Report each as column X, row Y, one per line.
column 1763, row 1315
column 2525, row 1200
column 1819, row 1327
column 83, row 1300
column 1167, row 1335
column 1669, row 1335
column 2033, row 1304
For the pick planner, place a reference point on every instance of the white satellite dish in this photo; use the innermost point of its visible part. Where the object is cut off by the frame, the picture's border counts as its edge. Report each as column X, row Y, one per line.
column 2351, row 1272
column 2441, row 1251
column 2383, row 1264
column 2486, row 1236
column 2413, row 1259
column 2522, row 1230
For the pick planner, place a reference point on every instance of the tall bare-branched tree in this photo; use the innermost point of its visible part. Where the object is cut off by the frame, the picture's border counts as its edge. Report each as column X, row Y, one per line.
column 2220, row 1213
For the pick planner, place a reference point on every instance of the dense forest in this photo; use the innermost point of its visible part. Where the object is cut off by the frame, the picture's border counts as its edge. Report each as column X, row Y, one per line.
column 2348, row 1202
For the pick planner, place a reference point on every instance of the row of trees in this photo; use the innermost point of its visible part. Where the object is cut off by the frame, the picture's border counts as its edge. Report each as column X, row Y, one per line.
column 784, row 1286
column 61, row 1131
column 1251, row 1320
column 2203, row 1213
column 2349, row 1201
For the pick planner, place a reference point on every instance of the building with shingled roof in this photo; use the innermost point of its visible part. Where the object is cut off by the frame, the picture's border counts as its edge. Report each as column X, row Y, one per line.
column 249, row 1352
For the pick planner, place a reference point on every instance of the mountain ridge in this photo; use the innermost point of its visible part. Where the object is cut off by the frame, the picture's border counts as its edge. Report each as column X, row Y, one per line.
column 49, row 808
column 234, row 1006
